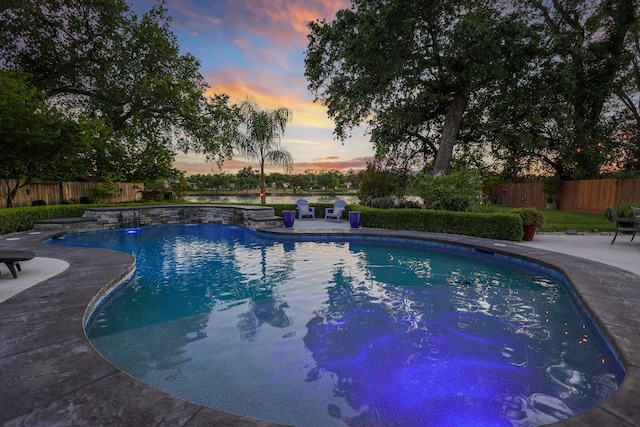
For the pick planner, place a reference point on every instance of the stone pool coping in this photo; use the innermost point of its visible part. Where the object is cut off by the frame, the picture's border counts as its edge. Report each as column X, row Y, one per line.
column 50, row 373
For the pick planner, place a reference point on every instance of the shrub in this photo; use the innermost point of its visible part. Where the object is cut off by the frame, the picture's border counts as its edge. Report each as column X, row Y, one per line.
column 459, row 191
column 104, row 190
column 530, row 216
column 21, row 219
column 38, row 203
column 384, row 202
column 377, row 180
column 156, row 195
column 389, row 202
column 85, row 200
column 623, row 209
column 408, row 204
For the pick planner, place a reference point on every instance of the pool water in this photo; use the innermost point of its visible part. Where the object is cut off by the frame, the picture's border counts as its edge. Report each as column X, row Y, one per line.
column 338, row 332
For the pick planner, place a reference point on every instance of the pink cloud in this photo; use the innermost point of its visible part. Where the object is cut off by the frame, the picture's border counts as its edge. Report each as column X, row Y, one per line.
column 332, row 163
column 284, row 20
column 242, row 44
column 193, row 164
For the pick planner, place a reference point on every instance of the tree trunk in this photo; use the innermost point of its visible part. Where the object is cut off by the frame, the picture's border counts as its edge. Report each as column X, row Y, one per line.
column 452, row 122
column 263, row 185
column 11, row 190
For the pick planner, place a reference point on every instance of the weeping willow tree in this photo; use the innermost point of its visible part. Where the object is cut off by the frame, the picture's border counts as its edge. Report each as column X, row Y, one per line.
column 260, row 138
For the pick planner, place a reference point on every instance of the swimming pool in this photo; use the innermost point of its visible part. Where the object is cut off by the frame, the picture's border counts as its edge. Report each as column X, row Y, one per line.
column 370, row 333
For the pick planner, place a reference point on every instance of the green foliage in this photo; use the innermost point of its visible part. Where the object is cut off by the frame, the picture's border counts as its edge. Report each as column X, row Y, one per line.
column 37, row 141
column 104, row 190
column 551, row 185
column 623, row 209
column 490, row 226
column 179, row 188
column 459, row 191
column 530, row 216
column 389, row 202
column 247, row 178
column 378, row 181
column 384, row 202
column 483, row 208
column 38, row 203
column 408, row 204
column 97, row 58
column 560, row 117
column 22, row 219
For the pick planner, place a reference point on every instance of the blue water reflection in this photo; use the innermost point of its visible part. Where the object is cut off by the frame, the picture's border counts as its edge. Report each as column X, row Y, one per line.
column 348, row 333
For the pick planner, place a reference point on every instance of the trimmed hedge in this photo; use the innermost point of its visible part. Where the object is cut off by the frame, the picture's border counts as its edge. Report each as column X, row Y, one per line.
column 486, row 225
column 22, row 219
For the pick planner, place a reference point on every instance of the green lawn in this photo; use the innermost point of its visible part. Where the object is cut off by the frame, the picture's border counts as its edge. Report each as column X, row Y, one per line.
column 557, row 220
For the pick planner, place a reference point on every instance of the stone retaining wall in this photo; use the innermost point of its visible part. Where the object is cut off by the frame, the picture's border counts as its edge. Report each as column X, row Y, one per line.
column 252, row 217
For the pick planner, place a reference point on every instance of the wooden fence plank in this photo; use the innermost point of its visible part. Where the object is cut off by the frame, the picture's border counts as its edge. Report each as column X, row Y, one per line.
column 629, row 191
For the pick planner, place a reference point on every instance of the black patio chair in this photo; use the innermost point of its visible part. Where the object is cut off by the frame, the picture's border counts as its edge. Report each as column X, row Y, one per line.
column 623, row 225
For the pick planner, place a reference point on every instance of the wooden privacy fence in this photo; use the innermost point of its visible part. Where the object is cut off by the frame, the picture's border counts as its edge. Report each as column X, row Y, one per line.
column 57, row 192
column 593, row 195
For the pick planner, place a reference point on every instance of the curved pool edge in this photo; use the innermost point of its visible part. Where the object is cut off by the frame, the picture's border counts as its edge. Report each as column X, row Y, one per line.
column 50, row 373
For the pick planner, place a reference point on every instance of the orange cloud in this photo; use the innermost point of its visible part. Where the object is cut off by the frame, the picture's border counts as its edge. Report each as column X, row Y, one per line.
column 270, row 91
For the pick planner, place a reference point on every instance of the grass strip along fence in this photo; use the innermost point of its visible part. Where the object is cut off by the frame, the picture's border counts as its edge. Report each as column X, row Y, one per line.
column 486, row 225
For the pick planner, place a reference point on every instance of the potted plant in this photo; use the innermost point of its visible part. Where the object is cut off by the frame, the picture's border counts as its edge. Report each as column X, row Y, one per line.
column 550, row 187
column 532, row 219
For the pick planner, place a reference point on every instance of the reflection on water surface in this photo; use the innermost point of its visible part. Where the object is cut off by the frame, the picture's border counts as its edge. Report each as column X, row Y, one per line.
column 348, row 333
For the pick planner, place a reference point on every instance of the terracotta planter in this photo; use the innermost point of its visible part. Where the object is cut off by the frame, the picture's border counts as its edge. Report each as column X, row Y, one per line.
column 529, row 232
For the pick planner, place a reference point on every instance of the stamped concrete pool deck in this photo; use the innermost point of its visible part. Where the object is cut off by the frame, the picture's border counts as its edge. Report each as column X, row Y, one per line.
column 51, row 375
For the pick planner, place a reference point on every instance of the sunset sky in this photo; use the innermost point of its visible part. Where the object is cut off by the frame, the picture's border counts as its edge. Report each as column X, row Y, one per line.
column 256, row 48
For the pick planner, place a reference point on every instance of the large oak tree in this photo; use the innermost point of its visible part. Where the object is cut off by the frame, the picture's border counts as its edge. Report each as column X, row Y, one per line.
column 98, row 58
column 409, row 70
